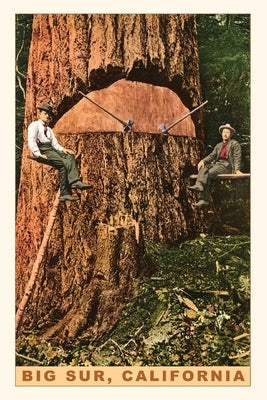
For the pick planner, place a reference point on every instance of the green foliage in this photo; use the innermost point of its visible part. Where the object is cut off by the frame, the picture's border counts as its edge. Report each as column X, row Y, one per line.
column 224, row 48
column 194, row 311
column 232, row 200
column 23, row 37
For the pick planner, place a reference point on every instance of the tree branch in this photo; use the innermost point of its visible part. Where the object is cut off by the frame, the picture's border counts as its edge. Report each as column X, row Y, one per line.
column 20, row 86
column 29, row 358
column 20, row 74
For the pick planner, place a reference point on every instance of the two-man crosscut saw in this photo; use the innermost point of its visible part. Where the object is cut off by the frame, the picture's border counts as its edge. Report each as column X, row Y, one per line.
column 165, row 130
column 126, row 125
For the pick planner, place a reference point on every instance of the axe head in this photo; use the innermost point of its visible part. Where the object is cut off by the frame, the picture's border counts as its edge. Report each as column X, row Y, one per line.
column 163, row 129
column 127, row 127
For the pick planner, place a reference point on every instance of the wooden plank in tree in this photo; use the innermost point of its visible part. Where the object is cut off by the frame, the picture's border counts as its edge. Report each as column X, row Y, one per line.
column 226, row 176
column 32, row 157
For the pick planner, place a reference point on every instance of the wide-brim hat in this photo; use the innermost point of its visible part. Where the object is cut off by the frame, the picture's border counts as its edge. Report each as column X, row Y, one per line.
column 227, row 126
column 46, row 107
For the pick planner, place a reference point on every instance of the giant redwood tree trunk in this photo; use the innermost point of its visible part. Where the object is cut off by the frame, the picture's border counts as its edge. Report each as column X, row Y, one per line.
column 140, row 67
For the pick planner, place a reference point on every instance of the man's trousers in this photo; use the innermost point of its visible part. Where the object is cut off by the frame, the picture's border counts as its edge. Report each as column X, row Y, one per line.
column 65, row 163
column 211, row 171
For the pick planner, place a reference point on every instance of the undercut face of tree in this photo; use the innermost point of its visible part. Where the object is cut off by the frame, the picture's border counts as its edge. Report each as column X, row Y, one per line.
column 139, row 67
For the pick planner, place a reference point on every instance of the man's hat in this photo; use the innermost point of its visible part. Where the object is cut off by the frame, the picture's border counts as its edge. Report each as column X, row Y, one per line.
column 227, row 126
column 47, row 108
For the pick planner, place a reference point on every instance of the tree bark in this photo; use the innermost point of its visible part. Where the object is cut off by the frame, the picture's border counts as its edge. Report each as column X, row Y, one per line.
column 144, row 67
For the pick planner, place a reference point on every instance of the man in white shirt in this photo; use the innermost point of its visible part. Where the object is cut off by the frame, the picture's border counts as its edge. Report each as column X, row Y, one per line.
column 46, row 149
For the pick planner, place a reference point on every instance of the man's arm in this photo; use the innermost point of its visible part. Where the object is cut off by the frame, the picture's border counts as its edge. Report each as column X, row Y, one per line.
column 54, row 141
column 67, row 151
column 32, row 139
column 57, row 146
column 237, row 158
column 201, row 164
column 211, row 157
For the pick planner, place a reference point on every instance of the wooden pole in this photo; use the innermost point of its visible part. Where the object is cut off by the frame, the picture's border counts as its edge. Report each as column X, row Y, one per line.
column 104, row 109
column 227, row 176
column 36, row 265
column 165, row 130
column 186, row 115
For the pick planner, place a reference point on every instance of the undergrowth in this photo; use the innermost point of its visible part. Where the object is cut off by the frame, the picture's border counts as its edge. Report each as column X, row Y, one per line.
column 193, row 311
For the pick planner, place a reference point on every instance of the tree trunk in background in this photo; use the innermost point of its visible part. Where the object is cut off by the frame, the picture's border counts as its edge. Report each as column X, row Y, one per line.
column 143, row 67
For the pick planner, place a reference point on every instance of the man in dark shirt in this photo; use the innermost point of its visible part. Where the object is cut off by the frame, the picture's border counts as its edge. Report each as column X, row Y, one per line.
column 46, row 149
column 224, row 159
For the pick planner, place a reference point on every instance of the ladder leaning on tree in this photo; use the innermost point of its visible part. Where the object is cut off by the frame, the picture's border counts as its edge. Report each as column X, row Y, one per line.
column 37, row 263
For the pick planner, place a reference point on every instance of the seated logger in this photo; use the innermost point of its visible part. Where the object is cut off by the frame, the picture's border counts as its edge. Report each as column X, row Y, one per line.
column 225, row 158
column 46, row 149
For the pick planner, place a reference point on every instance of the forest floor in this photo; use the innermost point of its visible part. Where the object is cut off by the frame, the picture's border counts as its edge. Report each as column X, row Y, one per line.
column 194, row 310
